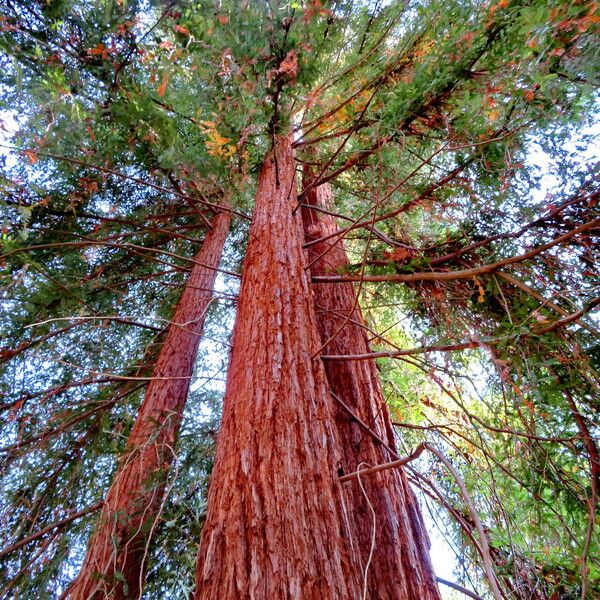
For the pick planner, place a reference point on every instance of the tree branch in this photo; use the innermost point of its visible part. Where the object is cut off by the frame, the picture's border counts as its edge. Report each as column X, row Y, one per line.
column 464, row 273
column 56, row 525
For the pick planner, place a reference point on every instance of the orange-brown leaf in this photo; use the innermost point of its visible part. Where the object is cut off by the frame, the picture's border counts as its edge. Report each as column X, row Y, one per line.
column 162, row 88
column 289, row 65
column 31, row 156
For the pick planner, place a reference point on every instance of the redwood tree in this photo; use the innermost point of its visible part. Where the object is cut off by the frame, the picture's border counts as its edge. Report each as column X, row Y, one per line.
column 276, row 525
column 393, row 542
column 116, row 558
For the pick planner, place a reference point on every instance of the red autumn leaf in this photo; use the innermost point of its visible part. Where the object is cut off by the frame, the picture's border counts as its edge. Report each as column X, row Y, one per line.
column 182, row 29
column 467, row 38
column 315, row 8
column 100, row 50
column 566, row 24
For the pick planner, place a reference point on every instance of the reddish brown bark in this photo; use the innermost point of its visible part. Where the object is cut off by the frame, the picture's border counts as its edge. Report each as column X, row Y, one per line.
column 400, row 567
column 275, row 524
column 115, row 563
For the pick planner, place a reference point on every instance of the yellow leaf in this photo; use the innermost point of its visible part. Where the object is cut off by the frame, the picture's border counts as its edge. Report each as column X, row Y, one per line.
column 217, row 145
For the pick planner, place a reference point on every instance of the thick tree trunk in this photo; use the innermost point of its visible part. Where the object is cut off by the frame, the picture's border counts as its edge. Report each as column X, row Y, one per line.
column 400, row 567
column 115, row 563
column 275, row 527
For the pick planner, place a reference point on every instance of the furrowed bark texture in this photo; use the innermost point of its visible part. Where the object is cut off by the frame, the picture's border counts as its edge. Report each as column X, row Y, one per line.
column 275, row 527
column 114, row 566
column 400, row 568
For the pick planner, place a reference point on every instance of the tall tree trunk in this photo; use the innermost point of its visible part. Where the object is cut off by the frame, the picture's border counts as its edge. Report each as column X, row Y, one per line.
column 400, row 566
column 275, row 527
column 114, row 566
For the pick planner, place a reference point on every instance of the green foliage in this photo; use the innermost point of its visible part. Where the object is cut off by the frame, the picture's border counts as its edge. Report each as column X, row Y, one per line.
column 438, row 124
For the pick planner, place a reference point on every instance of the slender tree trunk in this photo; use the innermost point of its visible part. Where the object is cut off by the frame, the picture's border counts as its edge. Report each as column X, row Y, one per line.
column 400, row 566
column 275, row 527
column 115, row 563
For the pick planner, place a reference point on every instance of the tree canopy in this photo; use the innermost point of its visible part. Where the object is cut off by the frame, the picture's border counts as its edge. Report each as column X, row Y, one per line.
column 460, row 141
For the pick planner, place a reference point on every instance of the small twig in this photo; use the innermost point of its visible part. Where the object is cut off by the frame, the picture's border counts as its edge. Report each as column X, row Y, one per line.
column 373, row 532
column 383, row 467
column 362, row 424
column 570, row 318
column 459, row 588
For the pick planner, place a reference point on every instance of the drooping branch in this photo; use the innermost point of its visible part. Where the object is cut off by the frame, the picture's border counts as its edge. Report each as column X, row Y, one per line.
column 471, row 344
column 160, row 188
column 53, row 526
column 459, row 588
column 7, row 354
column 544, row 301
